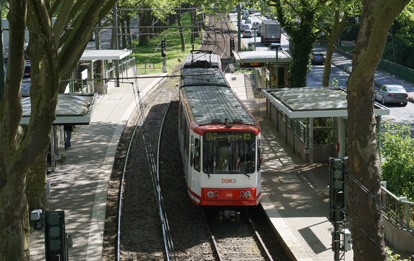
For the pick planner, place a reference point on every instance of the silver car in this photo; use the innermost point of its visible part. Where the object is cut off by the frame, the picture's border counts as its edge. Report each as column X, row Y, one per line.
column 390, row 93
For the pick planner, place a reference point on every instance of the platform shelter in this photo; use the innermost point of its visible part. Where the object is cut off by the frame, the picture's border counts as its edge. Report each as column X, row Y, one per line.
column 266, row 63
column 313, row 120
column 96, row 68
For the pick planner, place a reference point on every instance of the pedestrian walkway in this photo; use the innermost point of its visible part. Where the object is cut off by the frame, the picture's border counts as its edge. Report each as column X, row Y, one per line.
column 295, row 195
column 79, row 186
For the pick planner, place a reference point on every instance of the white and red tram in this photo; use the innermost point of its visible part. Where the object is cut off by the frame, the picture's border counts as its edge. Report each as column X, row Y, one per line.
column 219, row 141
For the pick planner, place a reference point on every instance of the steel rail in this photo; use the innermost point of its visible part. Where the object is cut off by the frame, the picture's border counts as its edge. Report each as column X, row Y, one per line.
column 168, row 241
column 121, row 193
column 258, row 238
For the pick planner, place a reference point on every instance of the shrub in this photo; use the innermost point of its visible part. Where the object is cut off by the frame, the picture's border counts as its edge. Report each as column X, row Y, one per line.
column 397, row 166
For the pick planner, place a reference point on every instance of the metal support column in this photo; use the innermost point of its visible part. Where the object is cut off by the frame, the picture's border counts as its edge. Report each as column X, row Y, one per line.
column 341, row 137
column 115, row 18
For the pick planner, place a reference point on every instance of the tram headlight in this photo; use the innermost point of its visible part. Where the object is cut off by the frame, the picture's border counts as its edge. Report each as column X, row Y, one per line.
column 212, row 194
column 245, row 194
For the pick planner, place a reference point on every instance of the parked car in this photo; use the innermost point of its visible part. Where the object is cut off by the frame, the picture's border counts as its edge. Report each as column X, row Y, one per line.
column 244, row 27
column 392, row 93
column 255, row 25
column 245, row 16
column 247, row 34
column 318, row 58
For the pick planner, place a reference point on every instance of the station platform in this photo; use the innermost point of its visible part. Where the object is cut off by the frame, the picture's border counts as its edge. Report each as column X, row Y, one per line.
column 295, row 194
column 79, row 185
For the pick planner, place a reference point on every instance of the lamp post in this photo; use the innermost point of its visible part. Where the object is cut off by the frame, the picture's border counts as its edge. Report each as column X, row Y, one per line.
column 254, row 33
column 239, row 7
column 277, row 65
column 1, row 58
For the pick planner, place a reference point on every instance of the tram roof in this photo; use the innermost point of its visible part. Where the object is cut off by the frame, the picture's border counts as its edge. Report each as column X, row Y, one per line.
column 202, row 76
column 215, row 104
column 202, row 59
column 262, row 57
column 314, row 102
column 71, row 108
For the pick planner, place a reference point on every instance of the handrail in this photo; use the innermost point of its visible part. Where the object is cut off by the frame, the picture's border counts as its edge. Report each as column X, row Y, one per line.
column 401, row 207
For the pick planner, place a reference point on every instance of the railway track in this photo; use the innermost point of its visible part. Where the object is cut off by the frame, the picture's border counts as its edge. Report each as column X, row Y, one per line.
column 217, row 39
column 142, row 207
column 234, row 236
column 152, row 177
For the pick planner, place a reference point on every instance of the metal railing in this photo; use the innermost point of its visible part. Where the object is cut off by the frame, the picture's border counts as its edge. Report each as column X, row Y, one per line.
column 124, row 65
column 400, row 207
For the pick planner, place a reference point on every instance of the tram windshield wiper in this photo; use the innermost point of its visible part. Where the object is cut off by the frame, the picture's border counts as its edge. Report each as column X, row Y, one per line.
column 248, row 175
column 208, row 174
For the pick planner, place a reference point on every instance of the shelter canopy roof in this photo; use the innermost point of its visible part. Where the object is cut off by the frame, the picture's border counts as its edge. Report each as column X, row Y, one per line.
column 314, row 102
column 71, row 108
column 262, row 57
column 92, row 55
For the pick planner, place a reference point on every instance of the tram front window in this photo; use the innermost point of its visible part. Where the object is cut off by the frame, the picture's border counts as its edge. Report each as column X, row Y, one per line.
column 229, row 152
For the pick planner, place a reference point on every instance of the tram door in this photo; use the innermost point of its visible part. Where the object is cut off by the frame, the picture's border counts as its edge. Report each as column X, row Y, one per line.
column 195, row 164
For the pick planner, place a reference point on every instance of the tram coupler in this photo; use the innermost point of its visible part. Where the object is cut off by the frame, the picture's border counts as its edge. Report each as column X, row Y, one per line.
column 229, row 215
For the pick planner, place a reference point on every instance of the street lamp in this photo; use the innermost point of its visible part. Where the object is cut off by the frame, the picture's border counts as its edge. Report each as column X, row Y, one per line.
column 277, row 64
column 254, row 33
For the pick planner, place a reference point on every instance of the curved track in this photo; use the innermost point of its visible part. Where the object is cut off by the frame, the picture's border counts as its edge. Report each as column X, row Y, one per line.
column 140, row 236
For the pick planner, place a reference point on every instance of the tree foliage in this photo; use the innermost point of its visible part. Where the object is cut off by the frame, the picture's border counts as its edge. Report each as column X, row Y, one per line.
column 397, row 166
column 400, row 45
column 333, row 25
column 299, row 19
column 54, row 50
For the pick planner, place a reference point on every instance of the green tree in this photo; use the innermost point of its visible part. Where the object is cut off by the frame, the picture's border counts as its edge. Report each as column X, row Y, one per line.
column 400, row 47
column 397, row 166
column 333, row 25
column 54, row 50
column 299, row 19
column 363, row 164
column 154, row 12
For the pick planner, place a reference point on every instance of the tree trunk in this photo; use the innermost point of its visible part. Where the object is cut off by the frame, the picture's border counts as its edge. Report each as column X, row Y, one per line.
column 363, row 209
column 97, row 33
column 123, row 32
column 337, row 28
column 303, row 40
column 14, row 223
column 36, row 184
column 145, row 20
column 20, row 153
column 14, row 244
column 128, row 30
column 180, row 29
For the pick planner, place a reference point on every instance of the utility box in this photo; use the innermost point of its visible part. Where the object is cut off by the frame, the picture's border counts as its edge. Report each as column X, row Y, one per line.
column 36, row 219
column 347, row 241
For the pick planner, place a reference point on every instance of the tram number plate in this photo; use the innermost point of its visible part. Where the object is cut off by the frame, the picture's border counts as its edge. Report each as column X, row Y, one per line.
column 228, row 181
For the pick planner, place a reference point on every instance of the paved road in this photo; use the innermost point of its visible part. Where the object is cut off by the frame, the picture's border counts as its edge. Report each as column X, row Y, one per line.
column 341, row 66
